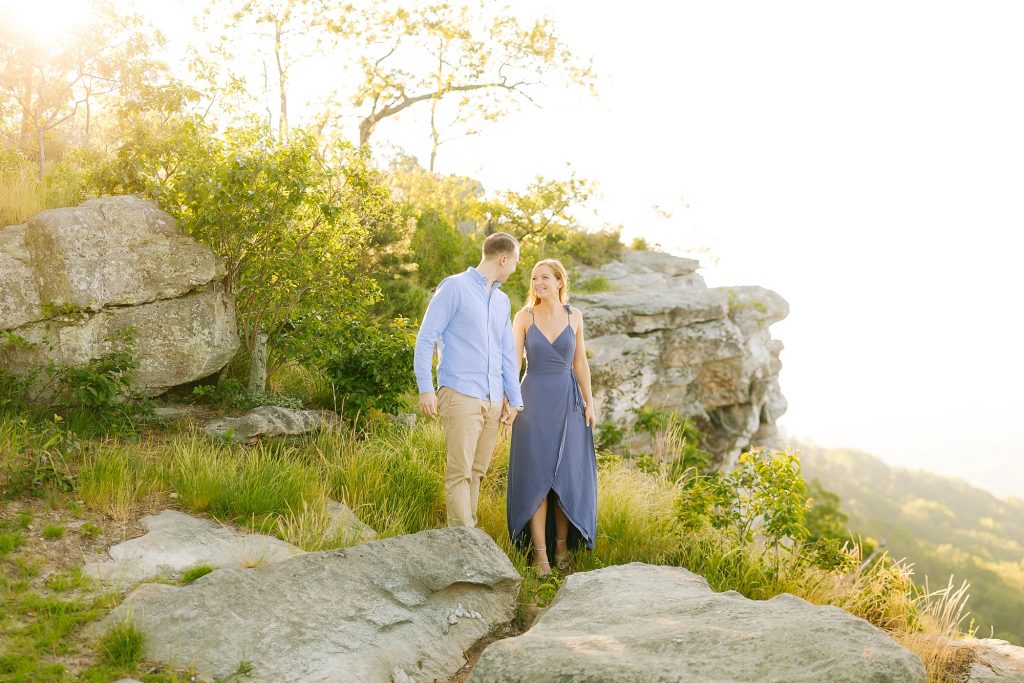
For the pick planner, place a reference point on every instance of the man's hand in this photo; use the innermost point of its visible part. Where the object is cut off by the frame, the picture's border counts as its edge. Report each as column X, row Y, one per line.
column 428, row 404
column 508, row 416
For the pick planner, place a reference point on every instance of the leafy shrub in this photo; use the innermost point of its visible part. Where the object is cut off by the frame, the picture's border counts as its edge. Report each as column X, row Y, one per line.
column 765, row 493
column 102, row 383
column 373, row 367
column 40, row 460
column 609, row 436
column 592, row 285
column 98, row 391
column 676, row 442
column 650, row 420
column 230, row 394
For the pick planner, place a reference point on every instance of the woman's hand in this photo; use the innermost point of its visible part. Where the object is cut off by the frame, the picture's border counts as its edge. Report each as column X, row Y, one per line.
column 589, row 416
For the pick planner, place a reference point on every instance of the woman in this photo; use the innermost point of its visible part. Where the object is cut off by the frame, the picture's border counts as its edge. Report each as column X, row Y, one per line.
column 552, row 476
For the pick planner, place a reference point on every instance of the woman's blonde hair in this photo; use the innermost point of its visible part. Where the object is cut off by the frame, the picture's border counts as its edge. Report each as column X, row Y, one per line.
column 559, row 270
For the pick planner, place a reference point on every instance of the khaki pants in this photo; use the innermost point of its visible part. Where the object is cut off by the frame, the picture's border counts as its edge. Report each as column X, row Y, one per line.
column 470, row 434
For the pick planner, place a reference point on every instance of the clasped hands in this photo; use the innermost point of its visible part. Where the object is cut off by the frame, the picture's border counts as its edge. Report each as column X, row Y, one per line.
column 508, row 416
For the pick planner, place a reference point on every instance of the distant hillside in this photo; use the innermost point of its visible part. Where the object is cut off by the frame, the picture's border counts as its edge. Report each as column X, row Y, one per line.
column 944, row 526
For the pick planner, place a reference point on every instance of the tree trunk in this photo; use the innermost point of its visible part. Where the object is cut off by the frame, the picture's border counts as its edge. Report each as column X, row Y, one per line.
column 282, row 131
column 366, row 130
column 258, row 365
column 42, row 153
column 435, row 136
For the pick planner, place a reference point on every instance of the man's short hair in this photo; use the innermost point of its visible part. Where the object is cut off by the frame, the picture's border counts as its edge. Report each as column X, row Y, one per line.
column 499, row 244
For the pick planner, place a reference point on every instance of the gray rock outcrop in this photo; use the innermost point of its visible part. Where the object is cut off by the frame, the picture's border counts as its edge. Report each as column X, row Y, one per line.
column 70, row 278
column 270, row 421
column 638, row 622
column 177, row 541
column 995, row 661
column 405, row 608
column 659, row 338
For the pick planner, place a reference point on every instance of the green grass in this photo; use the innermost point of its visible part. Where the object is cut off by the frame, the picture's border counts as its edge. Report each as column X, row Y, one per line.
column 69, row 580
column 10, row 540
column 115, row 478
column 52, row 532
column 393, row 478
column 121, row 646
column 90, row 530
column 195, row 572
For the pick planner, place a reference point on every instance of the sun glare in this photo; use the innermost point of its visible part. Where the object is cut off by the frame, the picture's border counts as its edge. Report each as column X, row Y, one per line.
column 49, row 21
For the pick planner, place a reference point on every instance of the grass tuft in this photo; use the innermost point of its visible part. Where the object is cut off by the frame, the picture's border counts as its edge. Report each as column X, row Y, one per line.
column 121, row 646
column 52, row 532
column 195, row 572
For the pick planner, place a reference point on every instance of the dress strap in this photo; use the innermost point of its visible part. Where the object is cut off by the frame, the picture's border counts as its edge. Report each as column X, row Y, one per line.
column 568, row 310
column 532, row 315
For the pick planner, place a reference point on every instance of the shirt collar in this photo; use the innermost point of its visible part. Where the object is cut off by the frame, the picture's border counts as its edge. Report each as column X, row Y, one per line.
column 480, row 277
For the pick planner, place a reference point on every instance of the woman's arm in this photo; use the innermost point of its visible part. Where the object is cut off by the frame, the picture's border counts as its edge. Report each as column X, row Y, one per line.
column 581, row 366
column 519, row 328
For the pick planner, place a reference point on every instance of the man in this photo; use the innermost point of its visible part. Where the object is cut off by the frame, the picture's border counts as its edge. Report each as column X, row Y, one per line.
column 468, row 318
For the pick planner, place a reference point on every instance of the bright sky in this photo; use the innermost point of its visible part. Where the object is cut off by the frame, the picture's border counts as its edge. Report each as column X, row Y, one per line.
column 864, row 160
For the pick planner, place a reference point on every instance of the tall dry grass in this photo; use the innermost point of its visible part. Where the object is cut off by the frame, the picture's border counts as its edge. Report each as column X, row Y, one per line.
column 23, row 194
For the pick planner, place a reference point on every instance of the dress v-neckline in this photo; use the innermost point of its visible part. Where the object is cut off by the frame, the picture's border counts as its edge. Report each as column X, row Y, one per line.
column 557, row 337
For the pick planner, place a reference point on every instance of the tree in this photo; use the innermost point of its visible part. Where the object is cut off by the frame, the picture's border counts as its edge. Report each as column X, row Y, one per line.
column 291, row 222
column 289, row 32
column 43, row 88
column 432, row 52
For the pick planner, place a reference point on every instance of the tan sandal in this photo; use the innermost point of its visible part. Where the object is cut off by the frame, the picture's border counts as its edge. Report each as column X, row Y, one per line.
column 539, row 566
column 562, row 559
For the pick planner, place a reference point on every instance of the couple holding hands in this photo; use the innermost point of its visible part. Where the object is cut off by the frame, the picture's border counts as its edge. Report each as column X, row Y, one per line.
column 552, row 474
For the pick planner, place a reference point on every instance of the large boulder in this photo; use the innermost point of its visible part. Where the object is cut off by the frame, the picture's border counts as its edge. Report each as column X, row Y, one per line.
column 659, row 338
column 639, row 622
column 405, row 608
column 71, row 279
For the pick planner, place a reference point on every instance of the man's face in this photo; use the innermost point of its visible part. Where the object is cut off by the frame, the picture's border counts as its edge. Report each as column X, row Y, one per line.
column 508, row 266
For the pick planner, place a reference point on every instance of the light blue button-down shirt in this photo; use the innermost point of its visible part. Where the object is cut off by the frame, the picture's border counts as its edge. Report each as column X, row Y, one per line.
column 471, row 327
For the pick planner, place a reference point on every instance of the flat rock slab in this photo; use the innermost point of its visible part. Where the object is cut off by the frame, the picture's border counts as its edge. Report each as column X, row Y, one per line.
column 639, row 622
column 405, row 608
column 996, row 661
column 177, row 541
column 270, row 421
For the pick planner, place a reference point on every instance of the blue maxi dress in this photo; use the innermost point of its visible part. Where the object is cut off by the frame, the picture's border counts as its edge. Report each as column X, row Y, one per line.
column 552, row 450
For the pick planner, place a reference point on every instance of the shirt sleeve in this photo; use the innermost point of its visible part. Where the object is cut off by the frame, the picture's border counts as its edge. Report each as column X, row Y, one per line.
column 439, row 313
column 509, row 375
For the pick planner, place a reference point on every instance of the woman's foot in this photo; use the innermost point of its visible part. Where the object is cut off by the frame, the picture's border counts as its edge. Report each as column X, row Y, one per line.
column 561, row 553
column 540, row 561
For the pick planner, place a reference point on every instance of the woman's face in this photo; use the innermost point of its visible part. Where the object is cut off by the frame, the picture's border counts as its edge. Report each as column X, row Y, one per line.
column 544, row 282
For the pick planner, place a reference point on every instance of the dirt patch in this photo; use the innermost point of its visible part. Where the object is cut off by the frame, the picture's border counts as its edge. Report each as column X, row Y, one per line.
column 472, row 655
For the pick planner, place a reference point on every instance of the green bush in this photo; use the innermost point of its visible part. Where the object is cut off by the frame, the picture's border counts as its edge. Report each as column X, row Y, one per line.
column 231, row 396
column 609, row 436
column 372, row 367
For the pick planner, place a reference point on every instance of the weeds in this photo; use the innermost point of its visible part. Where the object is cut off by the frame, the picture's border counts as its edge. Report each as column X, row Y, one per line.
column 195, row 572
column 52, row 532
column 121, row 646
